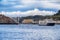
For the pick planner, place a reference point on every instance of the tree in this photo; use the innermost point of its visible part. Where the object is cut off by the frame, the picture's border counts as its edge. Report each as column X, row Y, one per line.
column 57, row 16
column 58, row 13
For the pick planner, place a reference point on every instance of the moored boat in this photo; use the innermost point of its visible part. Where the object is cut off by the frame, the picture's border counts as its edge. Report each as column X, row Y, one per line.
column 46, row 22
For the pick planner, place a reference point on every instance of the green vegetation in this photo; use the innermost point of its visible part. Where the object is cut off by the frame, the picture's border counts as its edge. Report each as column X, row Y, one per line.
column 40, row 17
column 56, row 16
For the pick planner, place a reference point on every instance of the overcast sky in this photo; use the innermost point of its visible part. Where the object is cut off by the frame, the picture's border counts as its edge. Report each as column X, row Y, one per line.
column 25, row 5
column 29, row 7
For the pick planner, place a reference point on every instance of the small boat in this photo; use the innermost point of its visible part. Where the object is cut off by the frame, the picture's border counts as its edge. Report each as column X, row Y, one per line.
column 46, row 22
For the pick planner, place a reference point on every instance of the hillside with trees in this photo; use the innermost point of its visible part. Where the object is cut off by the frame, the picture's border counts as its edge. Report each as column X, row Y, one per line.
column 56, row 16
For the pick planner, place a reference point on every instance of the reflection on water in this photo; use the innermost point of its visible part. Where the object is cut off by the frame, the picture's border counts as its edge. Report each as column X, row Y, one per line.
column 29, row 32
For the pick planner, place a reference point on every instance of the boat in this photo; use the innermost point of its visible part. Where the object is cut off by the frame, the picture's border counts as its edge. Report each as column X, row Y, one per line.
column 46, row 22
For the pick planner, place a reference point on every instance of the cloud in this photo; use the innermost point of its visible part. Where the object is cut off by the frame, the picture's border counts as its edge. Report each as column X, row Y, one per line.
column 38, row 12
column 19, row 4
column 45, row 4
column 28, row 13
column 48, row 4
column 7, row 2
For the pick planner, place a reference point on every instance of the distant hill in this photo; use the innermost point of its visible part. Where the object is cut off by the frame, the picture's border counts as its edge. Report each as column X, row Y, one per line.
column 58, row 13
column 56, row 16
column 5, row 19
column 40, row 17
column 35, row 18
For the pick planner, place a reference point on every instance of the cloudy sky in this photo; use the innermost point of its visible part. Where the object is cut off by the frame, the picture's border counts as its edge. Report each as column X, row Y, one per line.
column 28, row 5
column 24, row 5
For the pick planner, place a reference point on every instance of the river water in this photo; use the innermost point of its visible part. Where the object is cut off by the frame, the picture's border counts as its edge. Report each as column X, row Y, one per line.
column 29, row 32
